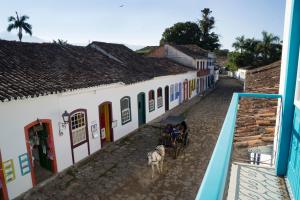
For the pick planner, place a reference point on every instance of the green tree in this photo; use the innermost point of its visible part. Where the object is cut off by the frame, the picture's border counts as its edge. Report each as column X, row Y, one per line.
column 267, row 46
column 221, row 52
column 182, row 33
column 209, row 40
column 253, row 52
column 20, row 24
column 239, row 44
column 194, row 33
column 234, row 60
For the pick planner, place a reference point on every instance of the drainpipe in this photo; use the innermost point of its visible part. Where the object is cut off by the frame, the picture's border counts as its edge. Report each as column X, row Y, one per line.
column 290, row 62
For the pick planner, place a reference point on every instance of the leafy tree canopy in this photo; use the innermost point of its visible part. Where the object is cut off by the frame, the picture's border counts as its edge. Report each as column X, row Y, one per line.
column 182, row 33
column 253, row 52
column 199, row 33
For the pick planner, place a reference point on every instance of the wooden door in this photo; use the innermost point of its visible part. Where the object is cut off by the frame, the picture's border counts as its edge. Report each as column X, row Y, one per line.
column 180, row 92
column 105, row 116
column 3, row 188
column 141, row 108
column 167, row 98
column 185, row 90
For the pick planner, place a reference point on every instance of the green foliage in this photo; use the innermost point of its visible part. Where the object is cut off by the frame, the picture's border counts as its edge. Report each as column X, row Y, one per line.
column 194, row 33
column 221, row 52
column 182, row 33
column 61, row 42
column 234, row 59
column 253, row 52
column 20, row 24
column 208, row 40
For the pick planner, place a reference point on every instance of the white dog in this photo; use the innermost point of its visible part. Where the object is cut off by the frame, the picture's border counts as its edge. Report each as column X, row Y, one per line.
column 156, row 157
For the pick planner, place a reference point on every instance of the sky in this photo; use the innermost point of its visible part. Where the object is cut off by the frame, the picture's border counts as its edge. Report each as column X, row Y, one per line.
column 142, row 22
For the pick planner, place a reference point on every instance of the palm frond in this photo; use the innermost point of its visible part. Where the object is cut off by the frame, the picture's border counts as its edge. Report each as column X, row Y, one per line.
column 10, row 27
column 27, row 28
column 23, row 18
column 11, row 19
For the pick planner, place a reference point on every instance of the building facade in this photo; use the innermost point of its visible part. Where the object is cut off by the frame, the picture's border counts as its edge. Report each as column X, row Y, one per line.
column 193, row 56
column 60, row 104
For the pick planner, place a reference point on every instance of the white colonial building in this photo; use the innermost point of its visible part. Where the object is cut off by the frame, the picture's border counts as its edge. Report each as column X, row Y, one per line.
column 61, row 103
column 192, row 56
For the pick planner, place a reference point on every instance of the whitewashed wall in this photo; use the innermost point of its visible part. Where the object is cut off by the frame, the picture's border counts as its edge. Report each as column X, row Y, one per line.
column 241, row 74
column 15, row 115
column 179, row 57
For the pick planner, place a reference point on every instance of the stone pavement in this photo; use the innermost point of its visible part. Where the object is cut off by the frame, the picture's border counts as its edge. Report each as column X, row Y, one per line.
column 120, row 170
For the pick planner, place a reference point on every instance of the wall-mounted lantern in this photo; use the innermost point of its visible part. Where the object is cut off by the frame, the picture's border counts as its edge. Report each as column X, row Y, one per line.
column 62, row 125
column 65, row 117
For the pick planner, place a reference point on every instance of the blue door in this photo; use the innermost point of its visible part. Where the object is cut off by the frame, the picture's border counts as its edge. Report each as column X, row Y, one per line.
column 293, row 168
column 293, row 171
column 180, row 92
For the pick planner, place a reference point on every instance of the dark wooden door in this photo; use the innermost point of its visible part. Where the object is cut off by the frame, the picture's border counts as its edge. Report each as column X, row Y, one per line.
column 141, row 108
column 166, row 98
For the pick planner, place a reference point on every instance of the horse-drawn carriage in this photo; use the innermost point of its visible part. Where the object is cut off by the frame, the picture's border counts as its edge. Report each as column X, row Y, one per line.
column 174, row 134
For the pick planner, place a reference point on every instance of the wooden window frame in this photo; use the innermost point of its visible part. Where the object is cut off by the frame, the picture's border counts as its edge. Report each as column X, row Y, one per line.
column 176, row 91
column 86, row 129
column 151, row 100
column 172, row 97
column 160, row 102
column 128, row 109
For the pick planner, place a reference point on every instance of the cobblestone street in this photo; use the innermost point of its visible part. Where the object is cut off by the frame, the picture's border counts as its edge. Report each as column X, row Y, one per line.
column 120, row 170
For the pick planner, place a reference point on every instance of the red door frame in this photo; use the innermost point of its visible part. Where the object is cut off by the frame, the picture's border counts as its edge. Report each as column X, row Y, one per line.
column 50, row 143
column 110, row 121
column 4, row 188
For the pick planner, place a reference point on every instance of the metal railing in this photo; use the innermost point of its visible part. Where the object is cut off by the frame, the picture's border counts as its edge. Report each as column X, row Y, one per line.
column 214, row 181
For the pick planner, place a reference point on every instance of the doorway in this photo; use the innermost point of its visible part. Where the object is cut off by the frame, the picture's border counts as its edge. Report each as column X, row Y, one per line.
column 40, row 148
column 141, row 108
column 167, row 98
column 3, row 188
column 105, row 117
column 198, row 86
column 185, row 90
column 180, row 92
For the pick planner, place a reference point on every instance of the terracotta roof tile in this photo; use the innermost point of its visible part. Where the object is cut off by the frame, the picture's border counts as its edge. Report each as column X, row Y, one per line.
column 257, row 117
column 31, row 69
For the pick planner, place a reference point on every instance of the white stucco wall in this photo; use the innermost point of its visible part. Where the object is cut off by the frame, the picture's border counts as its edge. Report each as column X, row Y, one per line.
column 179, row 57
column 285, row 45
column 15, row 115
column 241, row 74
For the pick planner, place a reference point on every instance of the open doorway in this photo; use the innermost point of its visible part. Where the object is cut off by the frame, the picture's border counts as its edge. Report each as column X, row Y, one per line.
column 3, row 189
column 40, row 148
column 105, row 117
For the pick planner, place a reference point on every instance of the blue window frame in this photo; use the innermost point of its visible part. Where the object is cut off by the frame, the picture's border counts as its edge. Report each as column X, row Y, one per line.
column 172, row 92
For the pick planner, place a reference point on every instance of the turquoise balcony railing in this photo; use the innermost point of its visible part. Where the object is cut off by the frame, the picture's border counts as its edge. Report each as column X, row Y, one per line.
column 214, row 181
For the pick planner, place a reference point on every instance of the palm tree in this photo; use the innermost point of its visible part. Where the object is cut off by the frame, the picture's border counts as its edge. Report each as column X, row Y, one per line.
column 267, row 44
column 19, row 23
column 239, row 44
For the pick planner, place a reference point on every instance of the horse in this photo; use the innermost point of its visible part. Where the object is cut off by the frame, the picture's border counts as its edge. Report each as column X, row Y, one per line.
column 156, row 157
